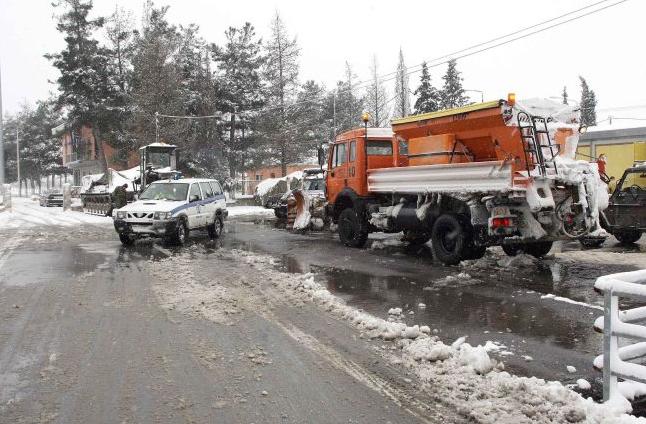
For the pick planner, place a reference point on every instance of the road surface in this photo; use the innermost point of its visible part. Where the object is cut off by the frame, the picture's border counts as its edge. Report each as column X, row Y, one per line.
column 91, row 331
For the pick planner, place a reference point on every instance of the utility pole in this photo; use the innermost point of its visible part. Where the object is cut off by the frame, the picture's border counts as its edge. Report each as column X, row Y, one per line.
column 18, row 161
column 1, row 142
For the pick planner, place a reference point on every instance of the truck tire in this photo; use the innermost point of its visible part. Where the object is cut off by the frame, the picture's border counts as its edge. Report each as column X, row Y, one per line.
column 180, row 235
column 126, row 240
column 416, row 238
column 473, row 252
column 449, row 239
column 511, row 249
column 537, row 249
column 591, row 243
column 627, row 236
column 353, row 228
column 215, row 229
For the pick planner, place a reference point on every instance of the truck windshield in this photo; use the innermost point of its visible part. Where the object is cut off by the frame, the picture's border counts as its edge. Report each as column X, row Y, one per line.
column 316, row 184
column 379, row 148
column 165, row 191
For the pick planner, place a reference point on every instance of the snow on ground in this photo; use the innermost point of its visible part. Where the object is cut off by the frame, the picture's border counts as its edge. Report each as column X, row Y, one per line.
column 465, row 377
column 250, row 211
column 27, row 213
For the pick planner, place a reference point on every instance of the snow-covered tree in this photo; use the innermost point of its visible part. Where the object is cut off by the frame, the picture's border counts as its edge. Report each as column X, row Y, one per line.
column 564, row 95
column 348, row 105
column 376, row 99
column 239, row 90
column 588, row 104
column 452, row 93
column 281, row 79
column 87, row 87
column 402, row 90
column 428, row 97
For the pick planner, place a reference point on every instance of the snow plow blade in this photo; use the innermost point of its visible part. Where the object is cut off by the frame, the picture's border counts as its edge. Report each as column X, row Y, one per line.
column 473, row 177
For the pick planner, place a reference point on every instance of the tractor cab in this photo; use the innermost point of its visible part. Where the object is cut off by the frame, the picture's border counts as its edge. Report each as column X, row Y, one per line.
column 157, row 161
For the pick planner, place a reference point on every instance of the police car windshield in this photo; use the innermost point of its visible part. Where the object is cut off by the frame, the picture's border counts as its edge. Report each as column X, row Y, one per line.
column 165, row 191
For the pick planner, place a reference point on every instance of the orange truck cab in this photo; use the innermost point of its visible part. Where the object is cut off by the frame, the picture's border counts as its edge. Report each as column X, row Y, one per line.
column 466, row 178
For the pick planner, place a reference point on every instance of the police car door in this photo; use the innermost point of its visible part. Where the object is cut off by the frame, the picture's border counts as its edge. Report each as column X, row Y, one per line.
column 221, row 202
column 208, row 208
column 194, row 209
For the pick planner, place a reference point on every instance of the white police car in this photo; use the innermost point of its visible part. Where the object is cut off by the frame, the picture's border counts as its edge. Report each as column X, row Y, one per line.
column 171, row 209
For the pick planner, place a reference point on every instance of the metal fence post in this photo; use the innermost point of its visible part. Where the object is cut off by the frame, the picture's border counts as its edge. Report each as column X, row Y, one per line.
column 610, row 313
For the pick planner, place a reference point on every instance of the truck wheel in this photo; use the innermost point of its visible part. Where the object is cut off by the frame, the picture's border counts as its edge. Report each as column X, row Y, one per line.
column 511, row 249
column 448, row 239
column 627, row 236
column 538, row 249
column 474, row 252
column 353, row 229
column 215, row 229
column 591, row 243
column 126, row 240
column 415, row 238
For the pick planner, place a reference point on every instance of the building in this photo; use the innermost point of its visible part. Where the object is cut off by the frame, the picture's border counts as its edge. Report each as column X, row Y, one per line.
column 253, row 177
column 620, row 134
column 80, row 153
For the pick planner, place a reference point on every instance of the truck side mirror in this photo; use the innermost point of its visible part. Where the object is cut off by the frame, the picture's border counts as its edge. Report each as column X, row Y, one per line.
column 321, row 156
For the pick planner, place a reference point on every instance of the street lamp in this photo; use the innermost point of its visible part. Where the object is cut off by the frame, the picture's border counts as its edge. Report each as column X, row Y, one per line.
column 481, row 94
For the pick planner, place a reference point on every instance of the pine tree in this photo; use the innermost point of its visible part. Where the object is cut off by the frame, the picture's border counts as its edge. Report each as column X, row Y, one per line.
column 281, row 77
column 564, row 95
column 588, row 104
column 87, row 88
column 402, row 90
column 452, row 93
column 376, row 100
column 348, row 105
column 428, row 97
column 239, row 89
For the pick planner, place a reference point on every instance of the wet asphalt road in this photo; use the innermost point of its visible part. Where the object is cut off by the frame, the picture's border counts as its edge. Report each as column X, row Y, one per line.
column 84, row 338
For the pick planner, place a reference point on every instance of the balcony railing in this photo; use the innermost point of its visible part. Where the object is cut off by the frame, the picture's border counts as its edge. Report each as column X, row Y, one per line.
column 80, row 155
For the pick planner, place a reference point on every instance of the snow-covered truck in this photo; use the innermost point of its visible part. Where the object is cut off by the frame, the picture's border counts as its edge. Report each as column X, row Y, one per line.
column 498, row 173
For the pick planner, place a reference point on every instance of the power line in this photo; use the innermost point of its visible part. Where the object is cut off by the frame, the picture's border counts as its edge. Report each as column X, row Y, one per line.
column 453, row 55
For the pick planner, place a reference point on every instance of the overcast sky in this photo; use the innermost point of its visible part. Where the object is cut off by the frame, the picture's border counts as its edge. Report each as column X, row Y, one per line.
column 607, row 48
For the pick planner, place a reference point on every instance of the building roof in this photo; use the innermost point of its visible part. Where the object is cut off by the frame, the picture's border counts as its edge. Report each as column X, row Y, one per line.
column 628, row 134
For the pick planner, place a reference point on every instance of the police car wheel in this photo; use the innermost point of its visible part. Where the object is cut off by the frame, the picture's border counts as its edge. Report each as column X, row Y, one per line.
column 215, row 229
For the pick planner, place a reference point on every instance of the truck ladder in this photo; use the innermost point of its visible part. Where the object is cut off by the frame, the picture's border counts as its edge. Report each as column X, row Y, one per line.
column 534, row 140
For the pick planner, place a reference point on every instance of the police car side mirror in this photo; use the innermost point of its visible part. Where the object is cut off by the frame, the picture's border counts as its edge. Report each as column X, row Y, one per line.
column 194, row 198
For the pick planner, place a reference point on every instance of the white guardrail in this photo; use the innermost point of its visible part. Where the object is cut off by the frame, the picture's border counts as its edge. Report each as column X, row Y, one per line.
column 628, row 324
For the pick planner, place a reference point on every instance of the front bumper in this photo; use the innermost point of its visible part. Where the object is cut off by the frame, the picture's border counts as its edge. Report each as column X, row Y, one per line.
column 155, row 228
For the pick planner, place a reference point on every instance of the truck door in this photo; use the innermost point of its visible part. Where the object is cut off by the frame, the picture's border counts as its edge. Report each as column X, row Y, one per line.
column 194, row 209
column 338, row 171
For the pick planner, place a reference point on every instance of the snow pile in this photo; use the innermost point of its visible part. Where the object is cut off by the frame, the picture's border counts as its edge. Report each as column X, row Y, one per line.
column 462, row 279
column 28, row 213
column 462, row 375
column 266, row 186
column 249, row 211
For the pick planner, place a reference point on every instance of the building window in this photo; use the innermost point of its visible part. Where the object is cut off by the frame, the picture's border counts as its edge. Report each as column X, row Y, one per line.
column 258, row 177
column 273, row 175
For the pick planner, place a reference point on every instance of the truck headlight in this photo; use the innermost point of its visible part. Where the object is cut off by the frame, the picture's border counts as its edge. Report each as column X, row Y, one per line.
column 162, row 215
column 121, row 215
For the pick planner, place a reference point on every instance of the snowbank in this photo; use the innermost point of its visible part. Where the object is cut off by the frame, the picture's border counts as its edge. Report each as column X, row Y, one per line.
column 463, row 376
column 28, row 214
column 249, row 211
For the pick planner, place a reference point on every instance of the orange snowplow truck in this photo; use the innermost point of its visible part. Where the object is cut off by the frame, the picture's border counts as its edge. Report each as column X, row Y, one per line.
column 467, row 178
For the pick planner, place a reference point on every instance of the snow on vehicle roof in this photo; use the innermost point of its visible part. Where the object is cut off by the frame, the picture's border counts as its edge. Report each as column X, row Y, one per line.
column 380, row 132
column 157, row 145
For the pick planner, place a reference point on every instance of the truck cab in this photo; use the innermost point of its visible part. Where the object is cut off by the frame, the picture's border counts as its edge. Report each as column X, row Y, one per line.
column 352, row 154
